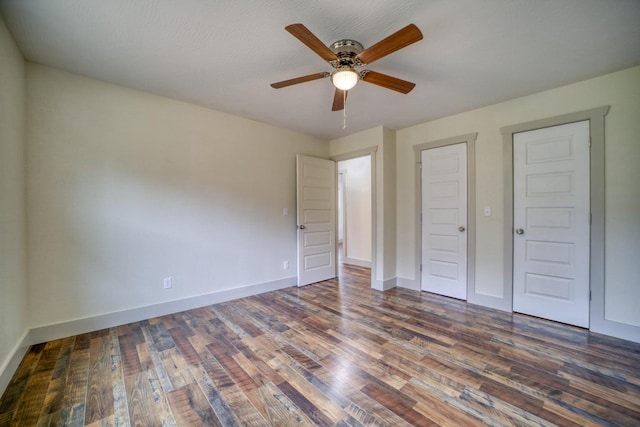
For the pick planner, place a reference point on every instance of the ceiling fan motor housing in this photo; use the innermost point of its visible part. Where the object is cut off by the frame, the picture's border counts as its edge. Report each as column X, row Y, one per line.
column 346, row 51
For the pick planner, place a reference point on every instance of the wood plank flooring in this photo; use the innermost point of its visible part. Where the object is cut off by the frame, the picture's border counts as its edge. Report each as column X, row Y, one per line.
column 333, row 353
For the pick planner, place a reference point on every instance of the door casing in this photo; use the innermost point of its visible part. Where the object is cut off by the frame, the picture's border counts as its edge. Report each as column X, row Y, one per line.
column 595, row 116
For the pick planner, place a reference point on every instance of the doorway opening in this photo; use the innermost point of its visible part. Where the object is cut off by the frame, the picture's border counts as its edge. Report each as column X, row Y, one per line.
column 369, row 155
column 355, row 211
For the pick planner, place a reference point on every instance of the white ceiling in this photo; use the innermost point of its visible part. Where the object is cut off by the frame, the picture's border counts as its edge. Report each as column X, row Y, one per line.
column 223, row 54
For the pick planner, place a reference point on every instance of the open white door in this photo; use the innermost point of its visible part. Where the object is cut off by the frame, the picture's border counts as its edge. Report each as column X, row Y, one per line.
column 444, row 220
column 316, row 214
column 551, row 223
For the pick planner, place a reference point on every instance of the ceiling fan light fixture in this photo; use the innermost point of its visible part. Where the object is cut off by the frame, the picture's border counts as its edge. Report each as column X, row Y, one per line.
column 345, row 79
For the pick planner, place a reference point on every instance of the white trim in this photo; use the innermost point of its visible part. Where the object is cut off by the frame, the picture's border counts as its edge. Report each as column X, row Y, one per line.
column 358, row 262
column 615, row 329
column 341, row 213
column 490, row 301
column 11, row 364
column 355, row 154
column 88, row 324
column 405, row 283
column 385, row 285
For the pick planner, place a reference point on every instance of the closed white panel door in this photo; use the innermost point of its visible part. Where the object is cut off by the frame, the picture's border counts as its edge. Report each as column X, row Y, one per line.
column 444, row 220
column 316, row 213
column 551, row 223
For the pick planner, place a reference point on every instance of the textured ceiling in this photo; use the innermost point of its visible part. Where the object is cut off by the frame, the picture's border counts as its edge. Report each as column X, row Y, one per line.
column 223, row 54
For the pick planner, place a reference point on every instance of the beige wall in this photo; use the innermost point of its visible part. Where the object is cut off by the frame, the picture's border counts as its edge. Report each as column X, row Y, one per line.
column 13, row 278
column 621, row 90
column 126, row 188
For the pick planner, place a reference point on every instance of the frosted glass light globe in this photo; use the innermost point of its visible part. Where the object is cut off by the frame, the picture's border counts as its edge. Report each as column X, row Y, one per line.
column 345, row 79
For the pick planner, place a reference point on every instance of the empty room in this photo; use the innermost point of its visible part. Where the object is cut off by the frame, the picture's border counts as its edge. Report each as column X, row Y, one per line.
column 349, row 213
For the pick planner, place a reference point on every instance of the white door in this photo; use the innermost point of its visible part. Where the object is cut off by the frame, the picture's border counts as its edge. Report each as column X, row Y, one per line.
column 316, row 213
column 444, row 220
column 551, row 223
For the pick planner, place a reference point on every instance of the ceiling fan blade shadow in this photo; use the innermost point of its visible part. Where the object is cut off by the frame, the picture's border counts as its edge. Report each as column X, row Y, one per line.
column 297, row 80
column 388, row 82
column 303, row 34
column 396, row 41
column 339, row 99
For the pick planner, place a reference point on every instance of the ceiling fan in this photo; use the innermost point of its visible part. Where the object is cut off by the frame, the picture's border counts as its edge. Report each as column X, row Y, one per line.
column 346, row 55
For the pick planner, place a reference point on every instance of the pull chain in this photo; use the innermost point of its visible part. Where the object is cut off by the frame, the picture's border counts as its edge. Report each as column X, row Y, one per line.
column 344, row 110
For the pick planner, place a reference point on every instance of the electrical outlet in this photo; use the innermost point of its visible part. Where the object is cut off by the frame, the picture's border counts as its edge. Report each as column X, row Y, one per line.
column 168, row 283
column 487, row 211
column 285, row 212
column 285, row 265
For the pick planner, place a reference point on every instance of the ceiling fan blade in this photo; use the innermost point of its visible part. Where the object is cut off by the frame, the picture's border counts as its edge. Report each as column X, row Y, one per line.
column 338, row 100
column 297, row 80
column 396, row 41
column 303, row 34
column 388, row 82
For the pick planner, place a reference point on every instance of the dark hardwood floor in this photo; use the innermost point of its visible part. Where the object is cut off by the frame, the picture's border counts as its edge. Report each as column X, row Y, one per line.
column 332, row 353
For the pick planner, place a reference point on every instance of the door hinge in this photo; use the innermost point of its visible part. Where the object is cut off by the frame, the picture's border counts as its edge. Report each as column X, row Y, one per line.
column 590, row 218
column 590, row 142
column 420, row 268
column 589, row 295
column 419, row 164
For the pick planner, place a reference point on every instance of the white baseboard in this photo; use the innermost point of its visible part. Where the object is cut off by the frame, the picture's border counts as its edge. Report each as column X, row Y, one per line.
column 488, row 301
column 412, row 284
column 10, row 365
column 94, row 323
column 383, row 285
column 355, row 261
column 616, row 329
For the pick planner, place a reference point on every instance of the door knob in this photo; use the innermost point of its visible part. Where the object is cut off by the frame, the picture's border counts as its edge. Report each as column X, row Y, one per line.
column 519, row 231
column 302, row 227
column 461, row 228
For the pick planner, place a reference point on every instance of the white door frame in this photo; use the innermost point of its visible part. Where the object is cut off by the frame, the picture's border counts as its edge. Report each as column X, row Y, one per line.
column 342, row 201
column 598, row 322
column 374, row 240
column 470, row 140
